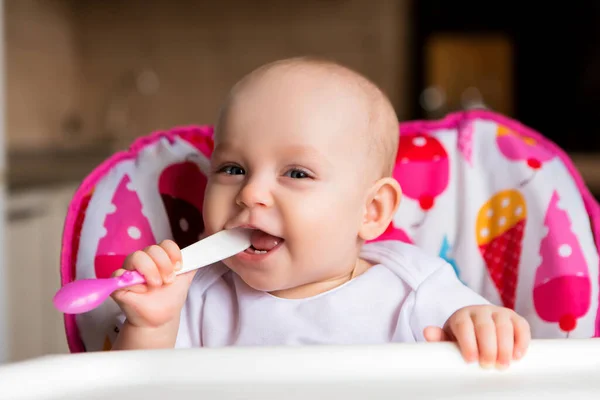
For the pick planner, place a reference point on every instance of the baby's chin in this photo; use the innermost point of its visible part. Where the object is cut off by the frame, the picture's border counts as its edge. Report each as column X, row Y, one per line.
column 262, row 282
column 278, row 287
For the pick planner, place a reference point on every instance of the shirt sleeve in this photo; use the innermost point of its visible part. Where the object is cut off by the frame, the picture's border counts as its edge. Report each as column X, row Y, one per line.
column 439, row 296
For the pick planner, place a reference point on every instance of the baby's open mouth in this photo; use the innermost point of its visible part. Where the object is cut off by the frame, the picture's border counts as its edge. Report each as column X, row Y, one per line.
column 263, row 242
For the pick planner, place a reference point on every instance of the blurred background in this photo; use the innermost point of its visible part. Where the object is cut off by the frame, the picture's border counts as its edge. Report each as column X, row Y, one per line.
column 82, row 78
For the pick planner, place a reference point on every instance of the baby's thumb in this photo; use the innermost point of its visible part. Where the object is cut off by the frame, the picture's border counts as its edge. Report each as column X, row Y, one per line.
column 435, row 334
column 185, row 280
column 141, row 288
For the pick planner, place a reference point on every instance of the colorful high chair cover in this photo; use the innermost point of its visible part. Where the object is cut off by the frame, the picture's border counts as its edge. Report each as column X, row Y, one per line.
column 502, row 204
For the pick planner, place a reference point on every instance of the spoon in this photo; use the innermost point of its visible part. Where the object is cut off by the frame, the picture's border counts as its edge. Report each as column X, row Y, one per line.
column 86, row 294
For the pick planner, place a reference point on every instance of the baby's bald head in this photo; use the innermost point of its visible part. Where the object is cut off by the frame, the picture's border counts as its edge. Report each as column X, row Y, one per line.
column 304, row 149
column 356, row 99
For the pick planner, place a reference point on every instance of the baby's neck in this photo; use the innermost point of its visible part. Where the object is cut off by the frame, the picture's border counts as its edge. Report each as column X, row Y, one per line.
column 316, row 288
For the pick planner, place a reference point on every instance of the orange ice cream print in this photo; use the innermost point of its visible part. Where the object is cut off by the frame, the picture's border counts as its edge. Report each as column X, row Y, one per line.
column 517, row 147
column 499, row 230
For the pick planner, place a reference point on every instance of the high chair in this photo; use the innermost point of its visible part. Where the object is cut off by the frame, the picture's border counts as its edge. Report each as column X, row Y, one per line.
column 501, row 203
column 555, row 369
column 504, row 206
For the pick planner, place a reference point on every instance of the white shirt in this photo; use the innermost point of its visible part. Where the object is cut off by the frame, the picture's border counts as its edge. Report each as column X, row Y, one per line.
column 393, row 301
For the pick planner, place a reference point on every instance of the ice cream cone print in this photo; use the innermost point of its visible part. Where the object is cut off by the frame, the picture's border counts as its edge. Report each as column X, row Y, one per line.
column 562, row 286
column 422, row 170
column 518, row 148
column 499, row 230
column 127, row 230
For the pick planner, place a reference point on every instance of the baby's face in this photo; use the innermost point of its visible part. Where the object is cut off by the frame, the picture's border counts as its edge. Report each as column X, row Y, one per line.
column 290, row 162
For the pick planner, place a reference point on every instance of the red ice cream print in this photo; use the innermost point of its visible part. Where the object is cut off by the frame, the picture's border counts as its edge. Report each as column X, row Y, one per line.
column 181, row 188
column 422, row 169
column 562, row 286
column 85, row 202
column 127, row 230
column 516, row 147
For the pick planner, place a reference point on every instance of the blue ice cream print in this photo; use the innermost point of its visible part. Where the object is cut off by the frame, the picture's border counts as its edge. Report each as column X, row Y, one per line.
column 445, row 253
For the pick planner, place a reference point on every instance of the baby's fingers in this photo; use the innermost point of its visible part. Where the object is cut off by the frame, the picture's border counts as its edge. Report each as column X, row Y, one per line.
column 435, row 334
column 163, row 262
column 522, row 332
column 173, row 251
column 464, row 332
column 485, row 330
column 142, row 262
column 505, row 336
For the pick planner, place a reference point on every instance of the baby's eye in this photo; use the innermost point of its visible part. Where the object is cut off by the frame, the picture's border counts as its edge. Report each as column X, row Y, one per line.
column 297, row 174
column 232, row 170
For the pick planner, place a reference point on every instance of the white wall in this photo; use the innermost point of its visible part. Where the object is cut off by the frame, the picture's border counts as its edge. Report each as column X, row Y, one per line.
column 78, row 60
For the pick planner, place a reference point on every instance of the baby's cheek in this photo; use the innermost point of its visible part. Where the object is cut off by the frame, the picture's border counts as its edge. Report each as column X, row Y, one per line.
column 214, row 212
column 324, row 221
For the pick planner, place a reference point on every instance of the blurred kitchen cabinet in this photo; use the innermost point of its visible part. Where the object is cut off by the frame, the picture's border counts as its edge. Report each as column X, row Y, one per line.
column 33, row 241
column 505, row 57
column 467, row 71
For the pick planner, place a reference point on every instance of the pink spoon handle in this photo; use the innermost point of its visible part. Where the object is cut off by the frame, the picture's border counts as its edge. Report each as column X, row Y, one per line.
column 86, row 294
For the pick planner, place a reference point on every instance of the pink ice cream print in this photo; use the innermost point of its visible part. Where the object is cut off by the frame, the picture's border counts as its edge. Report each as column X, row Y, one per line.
column 465, row 141
column 127, row 230
column 203, row 143
column 562, row 286
column 422, row 169
column 393, row 233
column 516, row 147
column 181, row 188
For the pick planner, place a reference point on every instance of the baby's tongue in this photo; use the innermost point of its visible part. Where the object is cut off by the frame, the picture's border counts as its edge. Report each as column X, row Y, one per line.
column 263, row 241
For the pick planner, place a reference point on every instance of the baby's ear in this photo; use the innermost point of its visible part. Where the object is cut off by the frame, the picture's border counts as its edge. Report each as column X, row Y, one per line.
column 382, row 202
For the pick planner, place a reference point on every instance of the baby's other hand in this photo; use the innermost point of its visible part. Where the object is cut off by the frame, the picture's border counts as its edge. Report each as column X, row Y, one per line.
column 491, row 334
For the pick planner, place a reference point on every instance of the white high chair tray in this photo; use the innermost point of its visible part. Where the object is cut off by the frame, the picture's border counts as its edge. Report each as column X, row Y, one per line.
column 553, row 369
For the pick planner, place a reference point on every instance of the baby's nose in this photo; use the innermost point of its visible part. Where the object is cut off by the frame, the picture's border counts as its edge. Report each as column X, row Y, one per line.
column 255, row 194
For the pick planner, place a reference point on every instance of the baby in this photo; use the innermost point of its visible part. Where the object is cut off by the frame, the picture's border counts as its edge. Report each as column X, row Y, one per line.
column 304, row 151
